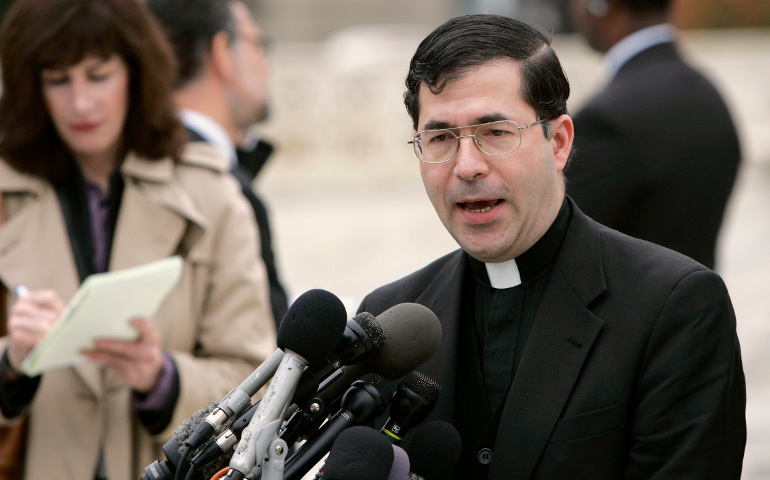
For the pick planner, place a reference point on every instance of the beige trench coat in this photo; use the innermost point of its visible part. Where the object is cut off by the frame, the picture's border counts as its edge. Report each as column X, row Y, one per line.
column 216, row 324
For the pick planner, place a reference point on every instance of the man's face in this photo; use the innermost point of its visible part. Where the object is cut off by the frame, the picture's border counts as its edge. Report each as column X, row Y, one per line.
column 249, row 90
column 494, row 207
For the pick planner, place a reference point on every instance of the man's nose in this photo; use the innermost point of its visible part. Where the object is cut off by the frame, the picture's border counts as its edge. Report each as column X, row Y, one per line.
column 470, row 161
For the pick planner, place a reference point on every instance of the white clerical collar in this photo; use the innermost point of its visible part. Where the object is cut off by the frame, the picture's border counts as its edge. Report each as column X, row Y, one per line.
column 503, row 275
column 211, row 131
column 635, row 43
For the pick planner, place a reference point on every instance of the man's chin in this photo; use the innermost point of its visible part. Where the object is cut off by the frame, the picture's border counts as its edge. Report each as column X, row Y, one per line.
column 484, row 252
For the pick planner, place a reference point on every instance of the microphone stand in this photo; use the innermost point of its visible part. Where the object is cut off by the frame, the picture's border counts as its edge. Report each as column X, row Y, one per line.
column 272, row 469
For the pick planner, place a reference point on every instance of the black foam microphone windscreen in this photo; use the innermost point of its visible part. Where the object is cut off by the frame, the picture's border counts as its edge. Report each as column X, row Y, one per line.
column 313, row 325
column 434, row 448
column 308, row 334
column 359, row 453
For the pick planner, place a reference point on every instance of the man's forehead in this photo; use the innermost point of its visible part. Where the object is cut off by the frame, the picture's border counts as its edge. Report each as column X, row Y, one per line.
column 479, row 94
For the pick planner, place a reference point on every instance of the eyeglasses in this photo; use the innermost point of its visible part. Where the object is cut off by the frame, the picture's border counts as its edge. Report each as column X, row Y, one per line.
column 494, row 139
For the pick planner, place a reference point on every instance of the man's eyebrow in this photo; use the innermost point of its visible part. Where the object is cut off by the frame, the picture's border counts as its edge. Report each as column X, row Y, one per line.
column 436, row 125
column 441, row 125
column 492, row 117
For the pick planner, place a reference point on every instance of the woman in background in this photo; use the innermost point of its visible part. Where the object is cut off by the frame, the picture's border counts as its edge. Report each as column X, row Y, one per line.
column 93, row 178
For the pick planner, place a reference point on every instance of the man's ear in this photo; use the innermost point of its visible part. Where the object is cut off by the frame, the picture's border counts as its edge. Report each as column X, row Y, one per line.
column 221, row 56
column 562, row 135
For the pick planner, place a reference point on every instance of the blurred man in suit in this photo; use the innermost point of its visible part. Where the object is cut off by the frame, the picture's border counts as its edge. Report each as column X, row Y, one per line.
column 222, row 90
column 656, row 151
column 569, row 350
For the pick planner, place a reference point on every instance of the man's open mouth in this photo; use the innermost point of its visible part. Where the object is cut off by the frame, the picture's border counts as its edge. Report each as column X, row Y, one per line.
column 480, row 206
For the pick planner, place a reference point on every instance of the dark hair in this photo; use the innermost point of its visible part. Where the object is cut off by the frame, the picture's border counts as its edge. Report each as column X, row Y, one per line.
column 190, row 25
column 40, row 34
column 474, row 40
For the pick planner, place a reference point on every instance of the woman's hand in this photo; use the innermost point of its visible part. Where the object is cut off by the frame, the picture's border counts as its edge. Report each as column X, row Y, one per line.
column 139, row 364
column 30, row 319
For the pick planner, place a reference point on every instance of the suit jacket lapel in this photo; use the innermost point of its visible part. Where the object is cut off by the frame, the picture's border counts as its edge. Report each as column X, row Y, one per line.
column 442, row 297
column 561, row 338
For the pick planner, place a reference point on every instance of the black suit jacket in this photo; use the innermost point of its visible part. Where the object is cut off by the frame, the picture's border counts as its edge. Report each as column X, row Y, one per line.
column 632, row 368
column 656, row 154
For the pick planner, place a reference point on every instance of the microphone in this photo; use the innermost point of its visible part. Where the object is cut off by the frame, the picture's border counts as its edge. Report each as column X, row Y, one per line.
column 360, row 452
column 365, row 400
column 412, row 335
column 235, row 401
column 362, row 335
column 308, row 334
column 226, row 440
column 400, row 469
column 434, row 449
column 415, row 398
column 166, row 470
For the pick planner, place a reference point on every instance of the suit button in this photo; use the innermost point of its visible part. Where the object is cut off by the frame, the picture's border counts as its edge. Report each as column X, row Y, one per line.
column 485, row 456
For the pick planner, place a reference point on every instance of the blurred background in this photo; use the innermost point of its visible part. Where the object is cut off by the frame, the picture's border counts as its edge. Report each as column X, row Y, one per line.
column 347, row 206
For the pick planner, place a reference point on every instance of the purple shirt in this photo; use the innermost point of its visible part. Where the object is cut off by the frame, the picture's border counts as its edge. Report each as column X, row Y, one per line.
column 99, row 209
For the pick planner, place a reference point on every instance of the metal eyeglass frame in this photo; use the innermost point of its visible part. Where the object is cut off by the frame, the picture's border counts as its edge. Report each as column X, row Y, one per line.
column 415, row 139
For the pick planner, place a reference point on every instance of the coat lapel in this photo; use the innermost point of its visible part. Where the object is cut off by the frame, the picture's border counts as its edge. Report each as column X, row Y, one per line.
column 441, row 297
column 150, row 193
column 34, row 250
column 561, row 338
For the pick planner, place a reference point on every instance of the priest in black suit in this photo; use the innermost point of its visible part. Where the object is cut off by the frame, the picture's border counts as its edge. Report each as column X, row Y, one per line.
column 569, row 350
column 656, row 151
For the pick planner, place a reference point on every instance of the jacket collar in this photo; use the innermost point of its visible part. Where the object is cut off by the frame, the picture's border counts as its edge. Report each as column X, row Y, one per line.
column 637, row 42
column 13, row 181
column 151, row 193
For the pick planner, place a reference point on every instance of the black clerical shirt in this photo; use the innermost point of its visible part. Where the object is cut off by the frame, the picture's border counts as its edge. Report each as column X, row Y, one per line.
column 501, row 320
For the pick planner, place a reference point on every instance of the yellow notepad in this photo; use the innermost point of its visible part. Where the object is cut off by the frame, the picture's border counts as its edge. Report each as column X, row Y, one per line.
column 103, row 307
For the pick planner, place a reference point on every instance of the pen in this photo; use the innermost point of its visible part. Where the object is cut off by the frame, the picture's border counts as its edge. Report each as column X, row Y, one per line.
column 20, row 290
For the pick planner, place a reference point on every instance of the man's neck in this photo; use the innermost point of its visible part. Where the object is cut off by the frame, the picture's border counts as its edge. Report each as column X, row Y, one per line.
column 208, row 97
